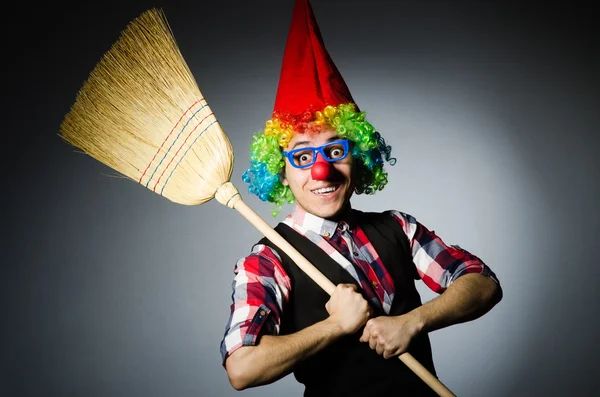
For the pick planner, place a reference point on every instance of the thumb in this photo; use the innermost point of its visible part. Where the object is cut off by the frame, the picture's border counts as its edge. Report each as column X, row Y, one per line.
column 365, row 336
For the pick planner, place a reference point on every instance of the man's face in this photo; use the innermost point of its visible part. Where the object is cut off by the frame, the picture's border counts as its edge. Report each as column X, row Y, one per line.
column 309, row 197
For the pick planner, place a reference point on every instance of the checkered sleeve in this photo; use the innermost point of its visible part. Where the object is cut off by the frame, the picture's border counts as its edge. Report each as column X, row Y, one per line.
column 438, row 264
column 260, row 288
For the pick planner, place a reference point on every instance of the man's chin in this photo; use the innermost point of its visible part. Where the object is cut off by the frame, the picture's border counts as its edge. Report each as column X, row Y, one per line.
column 333, row 214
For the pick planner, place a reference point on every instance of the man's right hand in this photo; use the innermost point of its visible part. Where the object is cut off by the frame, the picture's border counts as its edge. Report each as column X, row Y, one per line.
column 275, row 355
column 347, row 308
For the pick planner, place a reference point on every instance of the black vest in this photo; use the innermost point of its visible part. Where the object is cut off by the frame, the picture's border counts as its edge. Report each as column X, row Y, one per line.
column 349, row 367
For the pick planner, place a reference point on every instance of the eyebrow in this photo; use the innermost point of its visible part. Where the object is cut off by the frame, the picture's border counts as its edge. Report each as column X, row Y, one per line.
column 331, row 139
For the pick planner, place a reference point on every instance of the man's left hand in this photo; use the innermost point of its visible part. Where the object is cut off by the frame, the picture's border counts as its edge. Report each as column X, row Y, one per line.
column 390, row 336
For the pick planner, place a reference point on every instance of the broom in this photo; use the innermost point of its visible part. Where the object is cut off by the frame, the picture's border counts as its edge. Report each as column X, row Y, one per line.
column 141, row 113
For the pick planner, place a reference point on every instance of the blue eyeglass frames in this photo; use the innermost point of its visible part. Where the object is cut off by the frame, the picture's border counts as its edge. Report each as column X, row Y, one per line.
column 306, row 156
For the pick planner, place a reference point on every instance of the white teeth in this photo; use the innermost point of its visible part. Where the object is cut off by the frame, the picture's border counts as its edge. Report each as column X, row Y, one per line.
column 324, row 190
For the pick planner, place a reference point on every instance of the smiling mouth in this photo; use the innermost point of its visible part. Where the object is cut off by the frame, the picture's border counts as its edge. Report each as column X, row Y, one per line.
column 325, row 190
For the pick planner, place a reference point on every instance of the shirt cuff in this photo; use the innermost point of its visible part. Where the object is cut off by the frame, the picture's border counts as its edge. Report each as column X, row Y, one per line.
column 246, row 334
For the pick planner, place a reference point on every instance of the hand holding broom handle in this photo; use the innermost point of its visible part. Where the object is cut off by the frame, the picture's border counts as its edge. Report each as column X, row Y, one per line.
column 228, row 195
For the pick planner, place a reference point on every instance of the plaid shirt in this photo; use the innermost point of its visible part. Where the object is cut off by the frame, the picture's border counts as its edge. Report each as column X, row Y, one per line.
column 261, row 286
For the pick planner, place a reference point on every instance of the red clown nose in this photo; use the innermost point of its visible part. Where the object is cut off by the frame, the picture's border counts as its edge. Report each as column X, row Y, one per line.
column 321, row 169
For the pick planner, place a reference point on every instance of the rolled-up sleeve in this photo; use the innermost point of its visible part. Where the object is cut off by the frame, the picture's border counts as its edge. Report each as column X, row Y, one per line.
column 260, row 288
column 438, row 264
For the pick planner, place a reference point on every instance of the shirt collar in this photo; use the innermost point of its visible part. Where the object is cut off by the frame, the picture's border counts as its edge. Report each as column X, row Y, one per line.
column 324, row 227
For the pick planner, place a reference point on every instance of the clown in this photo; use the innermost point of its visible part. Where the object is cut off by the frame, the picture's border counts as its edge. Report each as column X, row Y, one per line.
column 316, row 151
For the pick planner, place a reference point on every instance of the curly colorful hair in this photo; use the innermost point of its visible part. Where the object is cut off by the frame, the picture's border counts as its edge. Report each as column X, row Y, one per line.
column 266, row 161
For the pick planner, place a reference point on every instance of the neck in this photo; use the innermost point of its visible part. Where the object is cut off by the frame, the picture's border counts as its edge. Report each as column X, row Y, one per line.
column 340, row 215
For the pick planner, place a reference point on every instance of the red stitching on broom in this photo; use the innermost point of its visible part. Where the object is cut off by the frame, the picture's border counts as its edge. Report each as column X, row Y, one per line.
column 158, row 151
column 186, row 138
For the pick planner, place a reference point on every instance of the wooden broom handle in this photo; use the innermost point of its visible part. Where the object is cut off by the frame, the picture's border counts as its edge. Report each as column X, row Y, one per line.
column 327, row 285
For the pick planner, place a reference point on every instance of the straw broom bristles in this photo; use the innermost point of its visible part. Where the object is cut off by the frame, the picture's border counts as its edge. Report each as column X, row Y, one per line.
column 141, row 113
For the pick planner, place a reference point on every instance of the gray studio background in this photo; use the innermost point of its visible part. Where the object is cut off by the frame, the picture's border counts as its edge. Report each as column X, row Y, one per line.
column 491, row 109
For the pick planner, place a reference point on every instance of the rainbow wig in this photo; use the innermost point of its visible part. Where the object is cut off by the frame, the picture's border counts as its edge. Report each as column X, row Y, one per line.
column 266, row 161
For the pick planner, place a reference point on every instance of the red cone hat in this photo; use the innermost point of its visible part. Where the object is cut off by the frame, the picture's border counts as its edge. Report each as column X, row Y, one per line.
column 309, row 79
